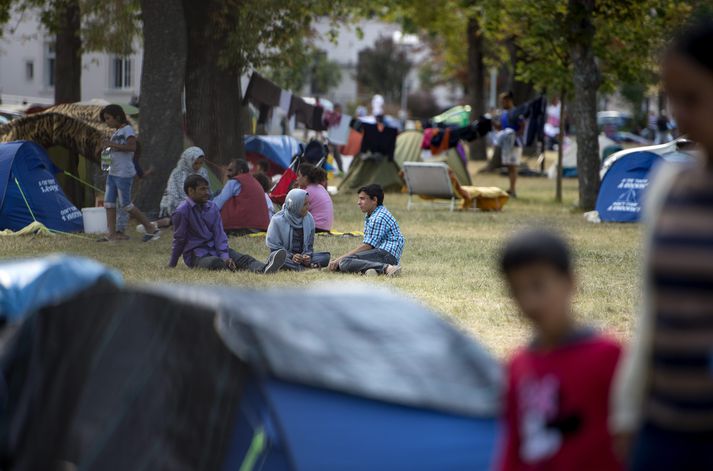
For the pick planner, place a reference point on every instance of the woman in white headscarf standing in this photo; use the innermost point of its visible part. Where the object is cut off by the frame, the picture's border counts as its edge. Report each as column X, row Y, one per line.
column 293, row 229
column 192, row 161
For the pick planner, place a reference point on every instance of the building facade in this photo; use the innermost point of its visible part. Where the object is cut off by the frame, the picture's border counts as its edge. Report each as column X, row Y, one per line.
column 27, row 67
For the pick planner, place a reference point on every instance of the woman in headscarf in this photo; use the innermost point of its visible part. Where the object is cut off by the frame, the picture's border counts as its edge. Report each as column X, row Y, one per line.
column 292, row 229
column 191, row 161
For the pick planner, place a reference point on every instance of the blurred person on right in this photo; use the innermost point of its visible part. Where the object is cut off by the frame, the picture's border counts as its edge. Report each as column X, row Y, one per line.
column 558, row 386
column 663, row 395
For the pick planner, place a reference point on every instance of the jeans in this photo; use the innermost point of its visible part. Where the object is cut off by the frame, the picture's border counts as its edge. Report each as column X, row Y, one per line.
column 118, row 188
column 659, row 449
column 376, row 259
column 321, row 259
column 243, row 262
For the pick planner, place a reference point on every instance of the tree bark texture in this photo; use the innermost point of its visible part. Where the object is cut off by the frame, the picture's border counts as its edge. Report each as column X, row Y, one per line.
column 213, row 98
column 476, row 83
column 162, row 80
column 68, row 75
column 68, row 53
column 586, row 80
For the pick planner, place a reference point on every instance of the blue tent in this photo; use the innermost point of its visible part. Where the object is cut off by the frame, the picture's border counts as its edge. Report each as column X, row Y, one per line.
column 625, row 177
column 349, row 378
column 29, row 191
column 277, row 149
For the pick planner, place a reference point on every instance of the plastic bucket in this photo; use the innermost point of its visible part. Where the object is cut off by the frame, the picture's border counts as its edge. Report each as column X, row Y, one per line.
column 94, row 220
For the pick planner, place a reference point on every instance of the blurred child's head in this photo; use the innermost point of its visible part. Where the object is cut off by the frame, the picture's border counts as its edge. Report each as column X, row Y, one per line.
column 113, row 116
column 537, row 267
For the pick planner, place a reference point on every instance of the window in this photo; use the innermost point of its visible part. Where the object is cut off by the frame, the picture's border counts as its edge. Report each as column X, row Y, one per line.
column 49, row 64
column 121, row 73
column 29, row 70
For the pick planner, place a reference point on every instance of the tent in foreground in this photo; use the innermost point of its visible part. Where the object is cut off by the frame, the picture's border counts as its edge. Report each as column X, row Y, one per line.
column 29, row 191
column 203, row 378
column 625, row 176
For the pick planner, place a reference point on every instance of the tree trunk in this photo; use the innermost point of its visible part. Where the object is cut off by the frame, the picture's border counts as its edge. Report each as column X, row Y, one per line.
column 68, row 76
column 68, row 50
column 213, row 98
column 521, row 91
column 164, row 65
column 476, row 83
column 586, row 80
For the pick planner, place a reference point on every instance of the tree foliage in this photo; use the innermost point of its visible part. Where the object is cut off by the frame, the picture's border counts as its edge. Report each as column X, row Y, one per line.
column 383, row 68
column 313, row 68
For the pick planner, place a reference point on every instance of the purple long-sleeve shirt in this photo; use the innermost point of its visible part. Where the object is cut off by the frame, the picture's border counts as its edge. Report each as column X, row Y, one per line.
column 197, row 232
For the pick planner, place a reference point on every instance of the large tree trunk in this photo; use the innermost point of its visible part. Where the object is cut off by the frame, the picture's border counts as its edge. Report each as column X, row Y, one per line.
column 476, row 83
column 68, row 77
column 521, row 91
column 68, row 50
column 586, row 80
column 164, row 65
column 213, row 98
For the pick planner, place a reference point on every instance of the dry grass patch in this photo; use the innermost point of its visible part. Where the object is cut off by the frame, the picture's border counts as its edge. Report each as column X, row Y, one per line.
column 449, row 261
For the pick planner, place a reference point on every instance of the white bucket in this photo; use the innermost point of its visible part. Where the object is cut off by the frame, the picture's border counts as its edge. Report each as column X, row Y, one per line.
column 94, row 220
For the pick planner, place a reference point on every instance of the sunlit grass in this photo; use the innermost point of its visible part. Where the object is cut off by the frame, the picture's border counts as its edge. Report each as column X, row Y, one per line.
column 449, row 261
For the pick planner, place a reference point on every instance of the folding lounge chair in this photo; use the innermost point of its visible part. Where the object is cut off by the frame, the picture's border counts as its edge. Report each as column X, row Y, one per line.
column 430, row 180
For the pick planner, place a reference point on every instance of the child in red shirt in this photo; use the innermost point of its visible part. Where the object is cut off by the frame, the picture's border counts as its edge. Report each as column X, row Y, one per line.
column 558, row 386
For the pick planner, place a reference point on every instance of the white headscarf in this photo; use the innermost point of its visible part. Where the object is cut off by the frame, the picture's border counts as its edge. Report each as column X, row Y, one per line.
column 174, row 193
column 289, row 218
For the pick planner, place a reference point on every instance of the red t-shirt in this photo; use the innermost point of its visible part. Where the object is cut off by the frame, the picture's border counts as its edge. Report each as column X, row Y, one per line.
column 557, row 407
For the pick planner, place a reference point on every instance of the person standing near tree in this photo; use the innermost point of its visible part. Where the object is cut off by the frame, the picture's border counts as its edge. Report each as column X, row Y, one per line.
column 121, row 174
column 662, row 397
column 509, row 119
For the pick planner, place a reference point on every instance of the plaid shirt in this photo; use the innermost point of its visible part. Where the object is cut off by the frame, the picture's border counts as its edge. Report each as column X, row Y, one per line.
column 381, row 231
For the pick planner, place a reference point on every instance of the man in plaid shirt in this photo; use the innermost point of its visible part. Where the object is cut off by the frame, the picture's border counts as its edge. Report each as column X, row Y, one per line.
column 380, row 252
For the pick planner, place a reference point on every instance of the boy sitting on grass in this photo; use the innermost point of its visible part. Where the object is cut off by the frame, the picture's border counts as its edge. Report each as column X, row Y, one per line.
column 558, row 386
column 199, row 237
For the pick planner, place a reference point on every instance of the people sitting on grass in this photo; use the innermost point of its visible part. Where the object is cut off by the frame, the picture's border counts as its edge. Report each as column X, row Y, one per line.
column 192, row 161
column 313, row 180
column 264, row 182
column 293, row 229
column 121, row 174
column 242, row 202
column 199, row 237
column 558, row 386
column 380, row 251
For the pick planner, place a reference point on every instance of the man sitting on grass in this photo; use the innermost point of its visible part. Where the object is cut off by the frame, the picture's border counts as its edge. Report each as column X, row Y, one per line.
column 383, row 243
column 199, row 236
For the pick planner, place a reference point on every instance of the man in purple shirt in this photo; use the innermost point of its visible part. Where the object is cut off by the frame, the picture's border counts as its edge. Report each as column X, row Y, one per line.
column 199, row 236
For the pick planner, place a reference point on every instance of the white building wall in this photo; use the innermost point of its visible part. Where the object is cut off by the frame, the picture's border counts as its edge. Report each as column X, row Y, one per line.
column 25, row 41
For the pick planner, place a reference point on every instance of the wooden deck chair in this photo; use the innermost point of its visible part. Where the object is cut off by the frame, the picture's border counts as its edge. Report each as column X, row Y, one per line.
column 430, row 180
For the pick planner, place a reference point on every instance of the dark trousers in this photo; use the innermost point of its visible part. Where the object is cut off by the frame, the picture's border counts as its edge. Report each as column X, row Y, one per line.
column 658, row 449
column 321, row 259
column 243, row 262
column 376, row 259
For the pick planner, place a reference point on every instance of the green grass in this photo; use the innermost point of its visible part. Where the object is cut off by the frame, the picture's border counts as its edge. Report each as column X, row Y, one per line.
column 449, row 260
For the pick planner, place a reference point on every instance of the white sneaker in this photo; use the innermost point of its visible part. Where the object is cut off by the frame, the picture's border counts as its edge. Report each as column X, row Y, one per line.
column 393, row 270
column 371, row 272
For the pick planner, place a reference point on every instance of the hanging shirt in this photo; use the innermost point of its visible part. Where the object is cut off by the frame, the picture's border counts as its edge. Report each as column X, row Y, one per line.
column 379, row 139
